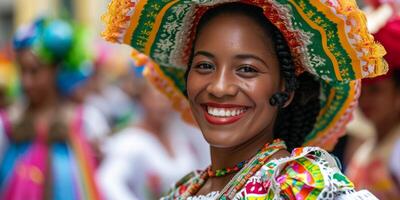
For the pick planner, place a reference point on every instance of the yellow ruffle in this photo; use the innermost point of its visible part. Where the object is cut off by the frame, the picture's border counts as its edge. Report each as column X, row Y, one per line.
column 117, row 20
column 372, row 63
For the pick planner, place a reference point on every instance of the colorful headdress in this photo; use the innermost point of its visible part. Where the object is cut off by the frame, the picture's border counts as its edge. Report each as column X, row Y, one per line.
column 62, row 43
column 388, row 36
column 327, row 38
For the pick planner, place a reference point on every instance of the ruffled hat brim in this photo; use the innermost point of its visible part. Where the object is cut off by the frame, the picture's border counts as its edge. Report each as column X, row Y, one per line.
column 326, row 38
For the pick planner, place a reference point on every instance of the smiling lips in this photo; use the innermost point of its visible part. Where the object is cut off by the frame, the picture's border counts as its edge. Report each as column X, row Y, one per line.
column 221, row 114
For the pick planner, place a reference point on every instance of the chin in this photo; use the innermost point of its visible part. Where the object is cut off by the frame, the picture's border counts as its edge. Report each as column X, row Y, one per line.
column 222, row 139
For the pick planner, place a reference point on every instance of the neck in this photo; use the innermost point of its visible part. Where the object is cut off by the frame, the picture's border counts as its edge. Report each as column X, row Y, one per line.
column 229, row 157
column 44, row 106
column 48, row 101
column 223, row 157
column 45, row 112
column 154, row 127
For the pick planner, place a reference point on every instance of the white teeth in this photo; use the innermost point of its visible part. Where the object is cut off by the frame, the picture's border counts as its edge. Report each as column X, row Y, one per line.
column 225, row 112
column 212, row 111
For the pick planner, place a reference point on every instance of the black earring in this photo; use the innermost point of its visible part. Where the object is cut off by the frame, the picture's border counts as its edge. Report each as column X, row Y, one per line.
column 279, row 99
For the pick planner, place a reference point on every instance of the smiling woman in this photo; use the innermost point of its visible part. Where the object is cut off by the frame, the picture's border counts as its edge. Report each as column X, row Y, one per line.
column 233, row 74
column 262, row 79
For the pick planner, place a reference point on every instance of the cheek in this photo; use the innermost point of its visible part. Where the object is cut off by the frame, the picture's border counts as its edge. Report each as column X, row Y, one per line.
column 194, row 85
column 43, row 79
column 260, row 93
column 261, row 90
column 261, row 98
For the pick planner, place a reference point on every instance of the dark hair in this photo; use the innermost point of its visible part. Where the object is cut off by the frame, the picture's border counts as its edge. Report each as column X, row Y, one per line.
column 396, row 77
column 296, row 120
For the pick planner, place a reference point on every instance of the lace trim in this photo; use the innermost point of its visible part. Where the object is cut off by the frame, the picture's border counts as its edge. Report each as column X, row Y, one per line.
column 362, row 194
column 211, row 195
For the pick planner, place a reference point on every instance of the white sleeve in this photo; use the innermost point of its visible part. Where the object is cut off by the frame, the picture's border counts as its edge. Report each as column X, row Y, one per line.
column 114, row 173
column 95, row 124
column 394, row 164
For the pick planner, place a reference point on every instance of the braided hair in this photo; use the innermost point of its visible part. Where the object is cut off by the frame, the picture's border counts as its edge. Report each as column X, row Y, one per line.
column 296, row 120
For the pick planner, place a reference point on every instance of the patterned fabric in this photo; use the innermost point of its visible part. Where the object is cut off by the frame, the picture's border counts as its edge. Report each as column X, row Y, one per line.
column 308, row 173
column 211, row 195
column 341, row 52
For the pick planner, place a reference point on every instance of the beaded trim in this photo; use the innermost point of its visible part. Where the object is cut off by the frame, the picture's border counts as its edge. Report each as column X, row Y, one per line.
column 225, row 171
column 240, row 179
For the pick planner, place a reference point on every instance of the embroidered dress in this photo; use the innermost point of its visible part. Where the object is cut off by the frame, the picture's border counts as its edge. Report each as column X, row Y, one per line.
column 327, row 39
column 308, row 173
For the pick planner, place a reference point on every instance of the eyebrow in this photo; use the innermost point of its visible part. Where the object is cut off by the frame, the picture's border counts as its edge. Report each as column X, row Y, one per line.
column 250, row 56
column 204, row 53
column 239, row 56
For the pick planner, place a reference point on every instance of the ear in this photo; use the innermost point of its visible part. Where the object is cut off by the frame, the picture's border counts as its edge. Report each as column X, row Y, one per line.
column 283, row 89
column 290, row 99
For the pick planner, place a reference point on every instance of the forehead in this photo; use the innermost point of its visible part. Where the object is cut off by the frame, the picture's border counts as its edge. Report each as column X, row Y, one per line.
column 26, row 57
column 236, row 32
column 28, row 60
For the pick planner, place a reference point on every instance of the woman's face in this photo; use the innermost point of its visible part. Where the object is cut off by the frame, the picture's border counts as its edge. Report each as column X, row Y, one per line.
column 234, row 73
column 380, row 101
column 156, row 105
column 37, row 79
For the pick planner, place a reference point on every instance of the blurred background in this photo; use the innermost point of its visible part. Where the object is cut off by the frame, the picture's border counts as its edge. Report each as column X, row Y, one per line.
column 16, row 12
column 80, row 122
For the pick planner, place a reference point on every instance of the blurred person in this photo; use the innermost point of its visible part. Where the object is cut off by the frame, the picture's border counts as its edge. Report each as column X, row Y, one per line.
column 49, row 153
column 360, row 130
column 380, row 103
column 111, row 88
column 143, row 160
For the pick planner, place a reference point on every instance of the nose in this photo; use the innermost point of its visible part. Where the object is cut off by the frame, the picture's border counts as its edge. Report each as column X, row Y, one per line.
column 223, row 84
column 27, row 81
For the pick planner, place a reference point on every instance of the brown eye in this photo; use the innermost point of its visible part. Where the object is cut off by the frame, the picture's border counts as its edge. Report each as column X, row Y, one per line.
column 204, row 68
column 247, row 71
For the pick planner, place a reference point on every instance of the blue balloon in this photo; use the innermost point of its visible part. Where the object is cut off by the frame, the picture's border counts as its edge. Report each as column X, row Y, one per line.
column 58, row 37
